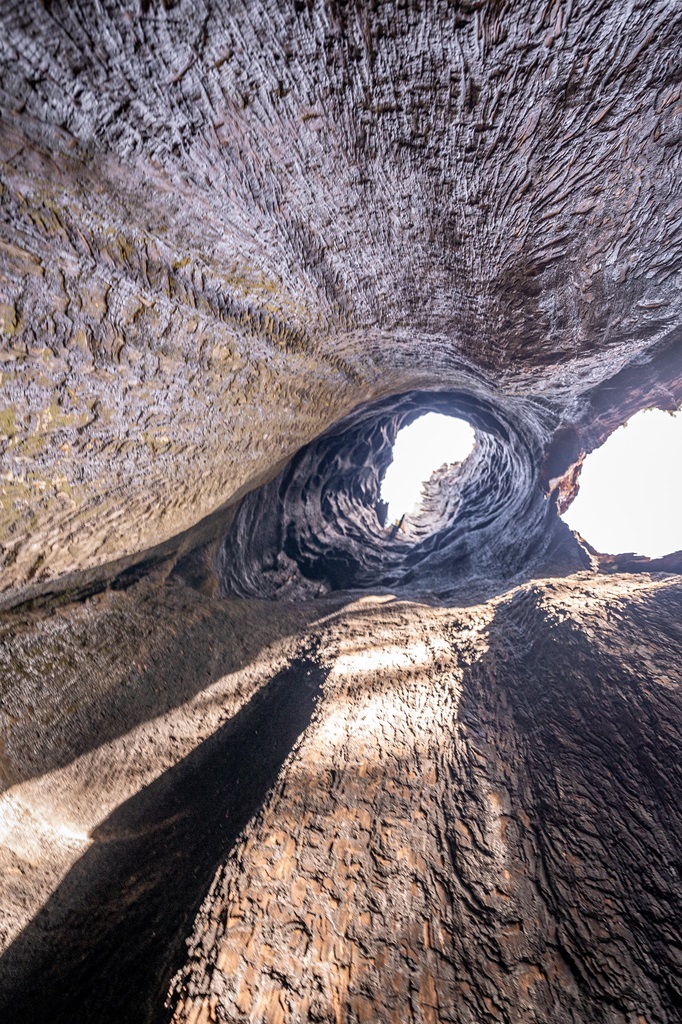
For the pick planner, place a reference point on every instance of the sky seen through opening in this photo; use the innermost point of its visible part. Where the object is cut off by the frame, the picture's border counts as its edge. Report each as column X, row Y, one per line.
column 630, row 497
column 419, row 450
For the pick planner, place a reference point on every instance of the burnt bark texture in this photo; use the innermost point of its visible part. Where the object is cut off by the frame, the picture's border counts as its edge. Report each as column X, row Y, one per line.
column 458, row 838
column 224, row 226
column 480, row 822
column 264, row 760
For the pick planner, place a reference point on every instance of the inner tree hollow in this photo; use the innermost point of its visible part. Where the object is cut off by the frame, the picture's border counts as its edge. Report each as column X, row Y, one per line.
column 316, row 528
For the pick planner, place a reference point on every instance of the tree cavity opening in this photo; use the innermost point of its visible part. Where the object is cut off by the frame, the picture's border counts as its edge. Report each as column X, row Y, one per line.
column 317, row 526
column 630, row 497
column 433, row 442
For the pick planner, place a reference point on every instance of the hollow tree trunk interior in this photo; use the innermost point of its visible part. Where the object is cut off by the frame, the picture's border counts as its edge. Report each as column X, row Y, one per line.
column 264, row 758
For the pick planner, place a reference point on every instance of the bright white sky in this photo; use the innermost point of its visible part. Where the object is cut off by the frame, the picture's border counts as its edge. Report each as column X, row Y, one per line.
column 420, row 449
column 630, row 496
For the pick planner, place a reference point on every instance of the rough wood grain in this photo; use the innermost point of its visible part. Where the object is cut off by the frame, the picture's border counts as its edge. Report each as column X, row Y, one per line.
column 240, row 244
column 223, row 227
column 457, row 839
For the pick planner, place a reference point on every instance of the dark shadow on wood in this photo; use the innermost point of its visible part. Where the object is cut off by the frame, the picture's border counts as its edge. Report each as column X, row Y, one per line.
column 105, row 946
column 170, row 646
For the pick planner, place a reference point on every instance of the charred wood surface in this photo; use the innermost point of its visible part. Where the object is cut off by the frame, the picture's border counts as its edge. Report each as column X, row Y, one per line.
column 241, row 245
